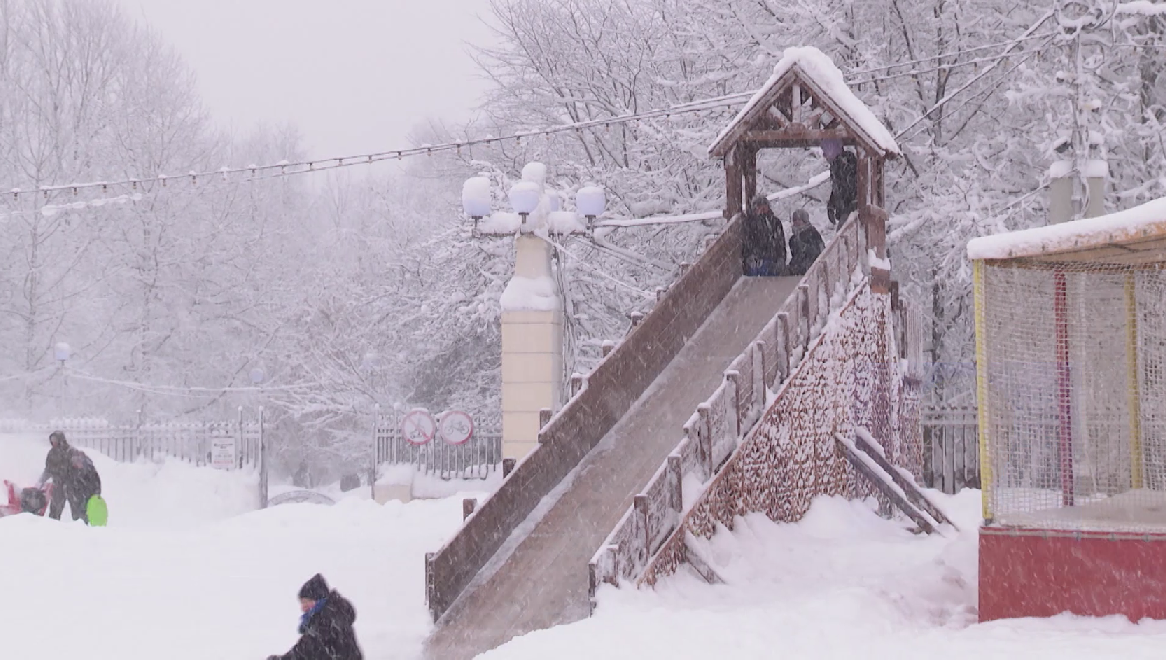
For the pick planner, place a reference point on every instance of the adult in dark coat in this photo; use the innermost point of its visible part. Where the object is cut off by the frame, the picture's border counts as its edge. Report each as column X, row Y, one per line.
column 763, row 243
column 74, row 476
column 805, row 244
column 326, row 631
column 843, row 181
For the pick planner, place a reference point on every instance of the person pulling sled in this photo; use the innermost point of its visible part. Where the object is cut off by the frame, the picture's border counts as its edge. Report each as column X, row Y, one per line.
column 75, row 480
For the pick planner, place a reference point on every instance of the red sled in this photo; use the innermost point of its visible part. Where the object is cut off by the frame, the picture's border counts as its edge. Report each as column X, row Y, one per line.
column 26, row 500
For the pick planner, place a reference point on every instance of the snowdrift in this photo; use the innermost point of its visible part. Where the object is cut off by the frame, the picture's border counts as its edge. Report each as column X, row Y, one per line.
column 841, row 583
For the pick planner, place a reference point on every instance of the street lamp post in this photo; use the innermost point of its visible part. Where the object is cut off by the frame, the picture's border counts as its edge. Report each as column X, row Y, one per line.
column 62, row 352
column 257, row 378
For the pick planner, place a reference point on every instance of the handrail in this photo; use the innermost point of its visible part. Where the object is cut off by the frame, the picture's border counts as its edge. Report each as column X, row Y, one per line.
column 719, row 424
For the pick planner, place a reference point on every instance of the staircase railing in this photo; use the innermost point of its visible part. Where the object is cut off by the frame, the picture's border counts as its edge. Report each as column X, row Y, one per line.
column 609, row 392
column 721, row 422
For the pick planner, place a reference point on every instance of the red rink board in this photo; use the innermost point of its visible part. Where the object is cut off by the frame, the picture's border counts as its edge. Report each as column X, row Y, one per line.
column 1041, row 573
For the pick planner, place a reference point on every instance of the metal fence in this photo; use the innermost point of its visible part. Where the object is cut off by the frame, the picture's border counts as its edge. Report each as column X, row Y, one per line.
column 951, row 447
column 232, row 444
column 477, row 457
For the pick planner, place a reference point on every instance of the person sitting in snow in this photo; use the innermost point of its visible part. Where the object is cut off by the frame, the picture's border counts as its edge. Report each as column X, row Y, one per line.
column 75, row 478
column 326, row 631
column 763, row 243
column 805, row 244
column 843, row 181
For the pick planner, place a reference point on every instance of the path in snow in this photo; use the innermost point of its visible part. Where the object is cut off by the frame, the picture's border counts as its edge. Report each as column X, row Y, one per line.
column 544, row 582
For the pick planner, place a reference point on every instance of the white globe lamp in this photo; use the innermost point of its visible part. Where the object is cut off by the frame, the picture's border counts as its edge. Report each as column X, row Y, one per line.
column 524, row 197
column 590, row 202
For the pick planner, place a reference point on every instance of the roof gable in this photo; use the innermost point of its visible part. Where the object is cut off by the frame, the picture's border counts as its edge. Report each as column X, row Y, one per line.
column 807, row 69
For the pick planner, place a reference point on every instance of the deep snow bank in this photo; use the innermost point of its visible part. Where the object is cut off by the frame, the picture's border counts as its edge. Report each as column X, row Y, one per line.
column 842, row 583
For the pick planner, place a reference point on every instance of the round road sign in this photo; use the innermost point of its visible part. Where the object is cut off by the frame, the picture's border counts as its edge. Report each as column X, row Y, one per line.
column 456, row 427
column 418, row 427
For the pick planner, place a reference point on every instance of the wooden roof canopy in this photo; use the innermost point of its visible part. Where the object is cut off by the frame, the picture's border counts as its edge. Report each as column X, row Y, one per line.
column 805, row 102
column 1134, row 237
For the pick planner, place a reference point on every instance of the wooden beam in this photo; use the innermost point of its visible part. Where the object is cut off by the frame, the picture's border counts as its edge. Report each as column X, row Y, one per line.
column 733, row 204
column 906, row 484
column 882, row 482
column 750, row 166
column 799, row 134
column 777, row 116
column 796, row 102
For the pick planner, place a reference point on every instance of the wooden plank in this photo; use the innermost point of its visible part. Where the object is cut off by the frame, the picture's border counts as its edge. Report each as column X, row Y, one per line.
column 698, row 562
column 797, row 133
column 882, row 482
column 908, row 487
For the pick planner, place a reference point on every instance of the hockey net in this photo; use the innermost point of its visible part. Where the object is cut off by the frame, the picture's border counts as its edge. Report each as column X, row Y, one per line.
column 1072, row 394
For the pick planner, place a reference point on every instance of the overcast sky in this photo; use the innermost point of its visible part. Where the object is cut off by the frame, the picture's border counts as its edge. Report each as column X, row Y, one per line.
column 353, row 75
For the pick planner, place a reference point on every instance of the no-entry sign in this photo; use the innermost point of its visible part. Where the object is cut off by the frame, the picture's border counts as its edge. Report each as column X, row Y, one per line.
column 418, row 427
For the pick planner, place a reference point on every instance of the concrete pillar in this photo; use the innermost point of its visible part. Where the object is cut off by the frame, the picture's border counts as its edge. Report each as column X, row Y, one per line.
column 1061, row 192
column 1096, row 175
column 532, row 341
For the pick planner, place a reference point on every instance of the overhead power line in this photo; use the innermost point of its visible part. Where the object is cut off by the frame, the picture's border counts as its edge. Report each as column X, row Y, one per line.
column 289, row 168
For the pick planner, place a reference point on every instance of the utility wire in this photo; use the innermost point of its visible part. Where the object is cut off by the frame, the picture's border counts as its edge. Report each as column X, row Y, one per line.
column 284, row 168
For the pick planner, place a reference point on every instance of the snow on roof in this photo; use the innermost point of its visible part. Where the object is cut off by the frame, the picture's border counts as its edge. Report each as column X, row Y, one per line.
column 819, row 69
column 1131, row 225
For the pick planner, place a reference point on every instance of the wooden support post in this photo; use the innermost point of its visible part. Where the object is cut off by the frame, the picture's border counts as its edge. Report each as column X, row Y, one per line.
column 796, row 103
column 636, row 318
column 507, row 466
column 676, row 475
column 607, row 347
column 692, row 434
column 783, row 350
column 578, row 382
column 733, row 378
column 468, row 506
column 804, row 314
column 705, row 439
column 1064, row 385
column 431, row 586
column 733, row 204
column 750, row 173
column 759, row 384
column 544, row 418
column 640, row 506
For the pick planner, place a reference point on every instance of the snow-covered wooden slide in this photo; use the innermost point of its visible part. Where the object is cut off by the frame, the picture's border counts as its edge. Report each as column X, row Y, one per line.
column 522, row 557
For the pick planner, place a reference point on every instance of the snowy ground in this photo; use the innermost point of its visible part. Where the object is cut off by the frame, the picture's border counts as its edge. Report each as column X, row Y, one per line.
column 188, row 569
column 843, row 583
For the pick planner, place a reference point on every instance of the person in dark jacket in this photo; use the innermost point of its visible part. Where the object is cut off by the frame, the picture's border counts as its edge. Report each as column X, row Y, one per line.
column 763, row 243
column 843, row 181
column 326, row 631
column 805, row 243
column 75, row 479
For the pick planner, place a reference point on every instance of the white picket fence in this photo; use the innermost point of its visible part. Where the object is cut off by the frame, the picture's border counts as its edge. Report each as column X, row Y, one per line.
column 228, row 444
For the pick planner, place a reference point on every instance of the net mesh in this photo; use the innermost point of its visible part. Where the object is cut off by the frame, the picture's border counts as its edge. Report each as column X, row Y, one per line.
column 1075, row 426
